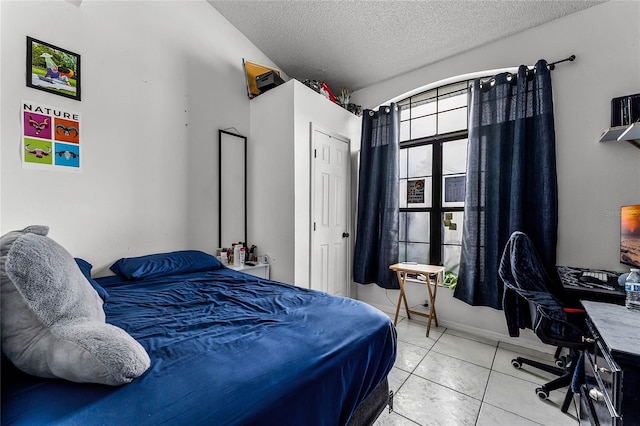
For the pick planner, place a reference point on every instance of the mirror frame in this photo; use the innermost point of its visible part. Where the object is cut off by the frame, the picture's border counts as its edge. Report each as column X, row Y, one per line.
column 227, row 190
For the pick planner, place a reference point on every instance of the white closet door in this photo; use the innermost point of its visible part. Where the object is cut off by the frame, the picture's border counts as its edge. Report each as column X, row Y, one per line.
column 330, row 239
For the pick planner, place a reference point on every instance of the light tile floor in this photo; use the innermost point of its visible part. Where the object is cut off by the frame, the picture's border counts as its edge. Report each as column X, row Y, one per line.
column 453, row 378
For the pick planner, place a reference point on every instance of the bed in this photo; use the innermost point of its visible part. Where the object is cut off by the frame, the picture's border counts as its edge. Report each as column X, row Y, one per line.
column 225, row 348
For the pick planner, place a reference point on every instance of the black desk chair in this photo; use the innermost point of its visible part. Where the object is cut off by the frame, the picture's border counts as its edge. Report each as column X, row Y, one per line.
column 531, row 299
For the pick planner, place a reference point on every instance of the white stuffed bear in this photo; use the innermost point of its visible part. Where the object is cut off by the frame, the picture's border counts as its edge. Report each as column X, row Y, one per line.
column 53, row 324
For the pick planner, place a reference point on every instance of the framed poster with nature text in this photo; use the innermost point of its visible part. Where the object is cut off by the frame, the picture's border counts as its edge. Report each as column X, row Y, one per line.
column 51, row 138
column 53, row 69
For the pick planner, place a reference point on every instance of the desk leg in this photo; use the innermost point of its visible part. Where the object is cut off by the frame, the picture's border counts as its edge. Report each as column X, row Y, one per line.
column 395, row 321
column 403, row 294
column 432, row 302
column 401, row 280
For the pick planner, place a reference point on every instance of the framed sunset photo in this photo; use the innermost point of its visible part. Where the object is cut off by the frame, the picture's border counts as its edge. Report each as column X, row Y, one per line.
column 630, row 235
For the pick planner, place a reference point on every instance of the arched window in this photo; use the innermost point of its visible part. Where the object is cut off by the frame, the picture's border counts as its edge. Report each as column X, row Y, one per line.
column 433, row 164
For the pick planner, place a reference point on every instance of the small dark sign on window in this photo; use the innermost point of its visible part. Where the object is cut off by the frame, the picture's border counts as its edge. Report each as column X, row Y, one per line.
column 415, row 191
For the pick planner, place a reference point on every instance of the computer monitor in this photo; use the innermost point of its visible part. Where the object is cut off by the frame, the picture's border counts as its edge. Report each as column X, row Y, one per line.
column 630, row 235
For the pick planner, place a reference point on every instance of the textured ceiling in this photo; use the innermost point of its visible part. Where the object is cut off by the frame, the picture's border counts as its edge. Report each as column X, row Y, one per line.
column 354, row 44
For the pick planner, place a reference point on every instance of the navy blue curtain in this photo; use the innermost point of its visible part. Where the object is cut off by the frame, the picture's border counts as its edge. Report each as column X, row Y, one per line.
column 377, row 235
column 511, row 182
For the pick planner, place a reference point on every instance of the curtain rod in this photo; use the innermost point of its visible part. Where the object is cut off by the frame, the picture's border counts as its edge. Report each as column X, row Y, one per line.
column 552, row 65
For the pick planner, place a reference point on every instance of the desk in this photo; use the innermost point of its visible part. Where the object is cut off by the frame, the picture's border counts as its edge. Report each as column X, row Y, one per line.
column 610, row 292
column 610, row 394
column 429, row 271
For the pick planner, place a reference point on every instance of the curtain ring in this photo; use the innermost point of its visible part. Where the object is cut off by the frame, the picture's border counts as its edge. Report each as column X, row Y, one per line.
column 371, row 113
column 387, row 110
column 509, row 77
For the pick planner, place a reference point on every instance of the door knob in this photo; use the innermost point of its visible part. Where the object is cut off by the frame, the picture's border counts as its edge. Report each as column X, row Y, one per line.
column 345, row 235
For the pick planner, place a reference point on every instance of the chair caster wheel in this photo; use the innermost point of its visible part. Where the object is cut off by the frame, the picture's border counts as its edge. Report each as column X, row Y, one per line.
column 560, row 363
column 542, row 394
column 516, row 364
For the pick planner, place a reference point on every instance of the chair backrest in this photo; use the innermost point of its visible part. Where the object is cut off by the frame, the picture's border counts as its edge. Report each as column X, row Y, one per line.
column 523, row 269
column 530, row 297
column 528, row 290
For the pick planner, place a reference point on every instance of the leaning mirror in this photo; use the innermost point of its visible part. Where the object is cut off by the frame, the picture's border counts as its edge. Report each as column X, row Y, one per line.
column 233, row 188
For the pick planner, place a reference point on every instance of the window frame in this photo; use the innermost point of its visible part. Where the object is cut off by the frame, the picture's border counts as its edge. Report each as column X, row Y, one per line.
column 436, row 84
column 436, row 211
column 437, row 179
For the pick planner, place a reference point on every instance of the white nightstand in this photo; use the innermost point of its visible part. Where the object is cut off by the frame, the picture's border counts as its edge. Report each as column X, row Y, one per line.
column 260, row 270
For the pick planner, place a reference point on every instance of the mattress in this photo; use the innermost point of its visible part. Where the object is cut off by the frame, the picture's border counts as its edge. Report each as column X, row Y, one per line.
column 225, row 348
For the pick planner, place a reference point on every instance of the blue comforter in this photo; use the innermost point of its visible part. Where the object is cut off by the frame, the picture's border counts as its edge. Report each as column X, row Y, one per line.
column 225, row 348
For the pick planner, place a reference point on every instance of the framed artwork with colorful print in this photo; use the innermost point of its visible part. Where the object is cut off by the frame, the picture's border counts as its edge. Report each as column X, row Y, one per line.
column 53, row 69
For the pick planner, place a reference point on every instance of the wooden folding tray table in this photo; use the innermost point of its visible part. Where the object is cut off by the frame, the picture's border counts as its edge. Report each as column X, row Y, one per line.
column 429, row 271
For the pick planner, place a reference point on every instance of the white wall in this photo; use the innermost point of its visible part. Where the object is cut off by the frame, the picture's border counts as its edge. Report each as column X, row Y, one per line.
column 594, row 179
column 158, row 81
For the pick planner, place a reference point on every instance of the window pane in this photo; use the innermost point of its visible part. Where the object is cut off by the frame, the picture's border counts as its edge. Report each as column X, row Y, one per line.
column 423, row 127
column 452, row 227
column 453, row 89
column 403, row 163
column 405, row 126
column 402, row 193
column 423, row 104
column 455, row 100
column 404, row 110
column 452, row 96
column 451, row 258
column 419, row 161
column 402, row 252
column 453, row 120
column 454, row 157
column 417, row 252
column 418, row 227
column 402, row 226
column 423, row 108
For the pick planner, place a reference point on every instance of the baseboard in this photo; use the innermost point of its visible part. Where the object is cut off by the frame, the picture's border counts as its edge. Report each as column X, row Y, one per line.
column 480, row 332
column 499, row 337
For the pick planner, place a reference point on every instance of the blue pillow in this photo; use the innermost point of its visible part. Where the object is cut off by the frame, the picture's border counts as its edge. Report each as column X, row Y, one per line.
column 161, row 264
column 85, row 267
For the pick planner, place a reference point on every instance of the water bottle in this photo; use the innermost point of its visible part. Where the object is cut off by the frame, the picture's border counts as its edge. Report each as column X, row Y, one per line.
column 632, row 287
column 242, row 255
column 236, row 255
